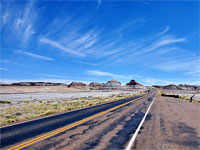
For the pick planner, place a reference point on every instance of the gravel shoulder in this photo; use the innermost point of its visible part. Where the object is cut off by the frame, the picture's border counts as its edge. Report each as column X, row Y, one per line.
column 172, row 124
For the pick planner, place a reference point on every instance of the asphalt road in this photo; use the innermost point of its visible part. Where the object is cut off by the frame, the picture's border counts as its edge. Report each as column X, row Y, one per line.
column 57, row 126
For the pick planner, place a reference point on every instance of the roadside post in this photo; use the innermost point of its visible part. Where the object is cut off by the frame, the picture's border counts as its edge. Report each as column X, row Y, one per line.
column 191, row 98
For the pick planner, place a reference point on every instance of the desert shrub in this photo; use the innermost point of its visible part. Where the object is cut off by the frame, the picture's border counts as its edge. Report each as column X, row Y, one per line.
column 160, row 92
column 26, row 101
column 5, row 102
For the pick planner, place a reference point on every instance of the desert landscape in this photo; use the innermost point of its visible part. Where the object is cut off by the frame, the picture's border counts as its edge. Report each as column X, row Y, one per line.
column 29, row 100
column 99, row 75
column 25, row 101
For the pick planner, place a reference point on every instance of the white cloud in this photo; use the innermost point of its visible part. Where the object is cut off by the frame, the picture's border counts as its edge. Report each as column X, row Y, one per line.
column 3, row 69
column 5, row 18
column 29, row 31
column 151, row 81
column 6, row 61
column 99, row 3
column 188, row 65
column 60, row 46
column 33, row 55
column 101, row 73
column 168, row 41
column 164, row 41
column 24, row 21
column 194, row 73
column 85, row 41
column 156, row 81
column 164, row 31
column 86, row 63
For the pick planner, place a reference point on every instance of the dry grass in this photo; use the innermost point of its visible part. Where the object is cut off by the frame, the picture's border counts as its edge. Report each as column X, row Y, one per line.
column 30, row 110
column 180, row 97
column 188, row 99
column 160, row 92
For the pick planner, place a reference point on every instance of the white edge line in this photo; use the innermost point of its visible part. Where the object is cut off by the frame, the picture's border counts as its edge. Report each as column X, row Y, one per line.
column 138, row 128
column 64, row 113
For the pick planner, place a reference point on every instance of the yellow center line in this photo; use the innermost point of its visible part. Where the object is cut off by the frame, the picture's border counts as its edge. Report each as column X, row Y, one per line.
column 67, row 127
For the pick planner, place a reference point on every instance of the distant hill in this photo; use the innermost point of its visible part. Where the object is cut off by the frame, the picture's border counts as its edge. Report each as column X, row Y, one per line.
column 177, row 87
column 38, row 84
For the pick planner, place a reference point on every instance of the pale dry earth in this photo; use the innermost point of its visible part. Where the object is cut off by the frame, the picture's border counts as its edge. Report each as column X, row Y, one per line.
column 38, row 89
column 69, row 95
column 174, row 124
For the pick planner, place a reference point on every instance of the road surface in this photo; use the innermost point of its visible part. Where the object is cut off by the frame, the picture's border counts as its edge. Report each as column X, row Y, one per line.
column 107, row 126
column 174, row 124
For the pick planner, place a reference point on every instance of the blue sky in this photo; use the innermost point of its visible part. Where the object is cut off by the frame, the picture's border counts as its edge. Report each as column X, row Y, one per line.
column 152, row 42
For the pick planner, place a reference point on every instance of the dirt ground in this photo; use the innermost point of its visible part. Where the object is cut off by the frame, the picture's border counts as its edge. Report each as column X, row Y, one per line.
column 37, row 89
column 173, row 124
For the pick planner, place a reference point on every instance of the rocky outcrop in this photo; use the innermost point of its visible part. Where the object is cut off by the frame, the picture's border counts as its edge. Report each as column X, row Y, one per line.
column 38, row 84
column 95, row 85
column 112, row 83
column 3, row 84
column 79, row 85
column 133, row 83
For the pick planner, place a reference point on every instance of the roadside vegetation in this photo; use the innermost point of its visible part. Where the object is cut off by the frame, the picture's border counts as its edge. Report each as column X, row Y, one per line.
column 161, row 93
column 188, row 99
column 5, row 102
column 26, row 109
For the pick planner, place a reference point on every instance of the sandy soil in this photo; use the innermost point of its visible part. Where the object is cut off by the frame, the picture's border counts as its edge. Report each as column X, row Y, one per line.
column 37, row 89
column 69, row 95
column 174, row 124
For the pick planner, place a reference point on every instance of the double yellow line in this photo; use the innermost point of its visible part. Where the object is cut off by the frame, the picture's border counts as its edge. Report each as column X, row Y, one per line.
column 65, row 128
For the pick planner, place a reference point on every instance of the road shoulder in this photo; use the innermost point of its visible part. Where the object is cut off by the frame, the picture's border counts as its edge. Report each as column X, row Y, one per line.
column 171, row 124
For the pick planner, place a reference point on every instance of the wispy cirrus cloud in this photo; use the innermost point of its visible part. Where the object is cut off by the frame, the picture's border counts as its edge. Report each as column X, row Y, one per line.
column 5, row 17
column 149, row 81
column 164, row 31
column 18, row 25
column 107, row 74
column 155, row 81
column 99, row 3
column 86, row 63
column 3, row 69
column 194, row 72
column 33, row 55
column 60, row 46
column 24, row 22
column 188, row 64
column 161, row 42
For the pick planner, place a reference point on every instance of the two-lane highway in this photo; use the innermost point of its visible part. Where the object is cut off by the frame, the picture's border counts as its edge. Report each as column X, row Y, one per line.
column 82, row 129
